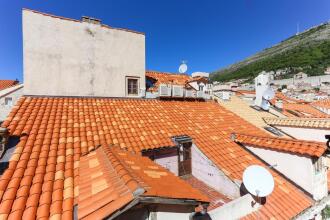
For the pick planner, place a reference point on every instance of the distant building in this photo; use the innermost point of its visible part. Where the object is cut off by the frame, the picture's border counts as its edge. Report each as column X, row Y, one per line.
column 300, row 75
column 327, row 71
column 9, row 95
column 172, row 85
column 81, row 58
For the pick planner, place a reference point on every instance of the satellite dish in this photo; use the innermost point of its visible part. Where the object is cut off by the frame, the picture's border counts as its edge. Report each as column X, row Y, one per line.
column 265, row 105
column 258, row 181
column 268, row 94
column 183, row 68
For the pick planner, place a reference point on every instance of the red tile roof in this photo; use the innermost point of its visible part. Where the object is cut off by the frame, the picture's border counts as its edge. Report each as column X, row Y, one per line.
column 309, row 148
column 4, row 84
column 217, row 199
column 324, row 103
column 110, row 178
column 167, row 78
column 302, row 110
column 54, row 132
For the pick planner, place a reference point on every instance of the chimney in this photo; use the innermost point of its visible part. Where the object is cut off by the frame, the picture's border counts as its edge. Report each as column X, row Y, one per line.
column 4, row 136
column 279, row 104
column 90, row 20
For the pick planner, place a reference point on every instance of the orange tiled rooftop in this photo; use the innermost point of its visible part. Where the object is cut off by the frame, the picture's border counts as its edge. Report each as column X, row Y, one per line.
column 167, row 78
column 4, row 84
column 43, row 176
column 110, row 178
column 309, row 148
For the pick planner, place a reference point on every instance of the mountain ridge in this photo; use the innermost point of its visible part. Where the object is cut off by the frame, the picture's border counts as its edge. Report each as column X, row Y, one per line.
column 311, row 48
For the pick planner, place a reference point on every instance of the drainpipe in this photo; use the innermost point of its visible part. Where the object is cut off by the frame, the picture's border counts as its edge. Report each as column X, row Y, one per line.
column 4, row 136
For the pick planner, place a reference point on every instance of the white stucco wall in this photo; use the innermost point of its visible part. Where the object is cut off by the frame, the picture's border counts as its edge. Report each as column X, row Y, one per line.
column 309, row 134
column 206, row 171
column 15, row 93
column 299, row 169
column 170, row 163
column 172, row 215
column 314, row 80
column 71, row 58
column 235, row 209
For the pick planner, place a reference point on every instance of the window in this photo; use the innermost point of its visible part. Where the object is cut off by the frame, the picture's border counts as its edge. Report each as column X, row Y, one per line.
column 132, row 86
column 9, row 101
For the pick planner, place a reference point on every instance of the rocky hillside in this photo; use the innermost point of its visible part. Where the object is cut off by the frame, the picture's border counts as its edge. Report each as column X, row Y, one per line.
column 308, row 51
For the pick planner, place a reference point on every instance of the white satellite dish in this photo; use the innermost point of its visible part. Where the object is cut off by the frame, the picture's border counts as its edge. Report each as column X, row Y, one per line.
column 258, row 181
column 183, row 68
column 268, row 94
column 265, row 105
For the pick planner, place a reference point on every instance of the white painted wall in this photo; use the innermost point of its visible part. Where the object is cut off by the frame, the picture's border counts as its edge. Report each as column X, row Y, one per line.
column 309, row 134
column 170, row 163
column 314, row 80
column 299, row 169
column 235, row 209
column 71, row 58
column 206, row 171
column 172, row 215
column 15, row 93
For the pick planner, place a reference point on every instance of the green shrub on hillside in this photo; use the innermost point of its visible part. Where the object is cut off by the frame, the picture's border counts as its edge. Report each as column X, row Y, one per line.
column 311, row 59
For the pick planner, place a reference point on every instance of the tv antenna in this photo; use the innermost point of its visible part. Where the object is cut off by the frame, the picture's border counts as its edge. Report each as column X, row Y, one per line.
column 297, row 28
column 183, row 67
column 258, row 181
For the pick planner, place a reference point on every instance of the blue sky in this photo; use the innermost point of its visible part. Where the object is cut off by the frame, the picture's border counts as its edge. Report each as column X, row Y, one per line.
column 209, row 34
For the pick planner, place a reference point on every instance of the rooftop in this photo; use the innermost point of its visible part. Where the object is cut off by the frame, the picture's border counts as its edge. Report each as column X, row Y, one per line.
column 43, row 174
column 110, row 178
column 324, row 103
column 244, row 110
column 216, row 199
column 302, row 110
column 167, row 78
column 4, row 84
column 323, row 123
column 309, row 148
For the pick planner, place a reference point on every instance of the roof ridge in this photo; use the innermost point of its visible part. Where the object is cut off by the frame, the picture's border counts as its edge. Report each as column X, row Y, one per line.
column 303, row 147
column 279, row 138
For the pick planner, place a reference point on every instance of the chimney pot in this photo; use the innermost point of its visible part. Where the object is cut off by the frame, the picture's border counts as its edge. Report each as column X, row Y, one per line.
column 90, row 20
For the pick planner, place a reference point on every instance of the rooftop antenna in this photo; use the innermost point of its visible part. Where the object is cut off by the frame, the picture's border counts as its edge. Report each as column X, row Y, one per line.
column 258, row 181
column 183, row 67
column 297, row 28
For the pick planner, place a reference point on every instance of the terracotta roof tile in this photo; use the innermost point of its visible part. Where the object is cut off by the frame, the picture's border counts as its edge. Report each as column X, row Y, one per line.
column 310, row 148
column 167, row 78
column 50, row 128
column 302, row 110
column 244, row 110
column 323, row 123
column 217, row 199
column 111, row 177
column 322, row 104
column 4, row 84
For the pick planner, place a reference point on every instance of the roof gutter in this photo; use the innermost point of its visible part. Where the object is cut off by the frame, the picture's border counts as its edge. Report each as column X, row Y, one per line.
column 160, row 200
